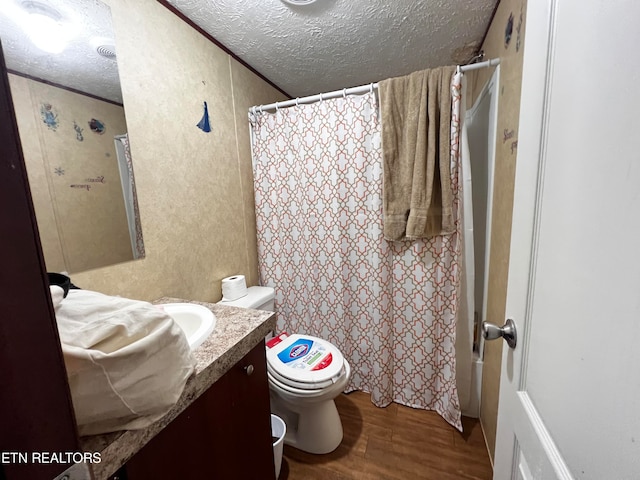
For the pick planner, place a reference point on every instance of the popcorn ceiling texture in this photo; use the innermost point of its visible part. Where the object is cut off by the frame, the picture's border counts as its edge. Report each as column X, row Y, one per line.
column 333, row 44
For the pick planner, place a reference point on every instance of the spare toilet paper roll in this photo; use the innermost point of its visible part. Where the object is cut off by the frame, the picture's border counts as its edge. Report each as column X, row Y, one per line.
column 233, row 288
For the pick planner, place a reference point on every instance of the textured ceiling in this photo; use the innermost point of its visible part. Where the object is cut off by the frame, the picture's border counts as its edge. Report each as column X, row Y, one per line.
column 304, row 50
column 79, row 66
column 333, row 44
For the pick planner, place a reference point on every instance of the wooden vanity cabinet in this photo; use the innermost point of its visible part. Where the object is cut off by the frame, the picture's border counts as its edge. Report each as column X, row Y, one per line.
column 225, row 434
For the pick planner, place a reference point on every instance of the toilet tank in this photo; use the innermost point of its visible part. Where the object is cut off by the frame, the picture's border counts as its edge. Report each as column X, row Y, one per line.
column 259, row 298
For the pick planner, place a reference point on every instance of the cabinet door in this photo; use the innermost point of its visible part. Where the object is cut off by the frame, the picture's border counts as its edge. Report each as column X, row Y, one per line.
column 243, row 433
column 224, row 434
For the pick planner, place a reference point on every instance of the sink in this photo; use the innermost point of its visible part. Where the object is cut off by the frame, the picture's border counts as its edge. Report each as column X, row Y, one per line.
column 197, row 322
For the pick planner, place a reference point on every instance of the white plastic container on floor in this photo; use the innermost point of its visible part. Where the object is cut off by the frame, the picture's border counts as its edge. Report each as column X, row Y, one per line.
column 278, row 430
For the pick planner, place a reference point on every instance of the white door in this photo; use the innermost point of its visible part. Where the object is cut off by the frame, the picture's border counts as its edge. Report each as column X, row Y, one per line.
column 570, row 390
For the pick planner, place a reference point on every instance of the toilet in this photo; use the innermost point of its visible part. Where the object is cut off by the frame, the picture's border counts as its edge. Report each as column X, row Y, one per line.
column 305, row 374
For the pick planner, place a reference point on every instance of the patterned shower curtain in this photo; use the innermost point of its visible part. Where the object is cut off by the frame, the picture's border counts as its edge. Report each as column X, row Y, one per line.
column 390, row 307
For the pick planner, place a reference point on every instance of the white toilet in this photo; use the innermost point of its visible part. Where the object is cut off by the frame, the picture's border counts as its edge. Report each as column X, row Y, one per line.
column 305, row 375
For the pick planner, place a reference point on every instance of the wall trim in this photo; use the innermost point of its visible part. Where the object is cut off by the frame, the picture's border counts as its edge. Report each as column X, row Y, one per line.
column 63, row 87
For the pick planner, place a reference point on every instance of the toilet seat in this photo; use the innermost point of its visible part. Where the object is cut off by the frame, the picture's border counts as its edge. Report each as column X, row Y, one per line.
column 305, row 362
column 311, row 394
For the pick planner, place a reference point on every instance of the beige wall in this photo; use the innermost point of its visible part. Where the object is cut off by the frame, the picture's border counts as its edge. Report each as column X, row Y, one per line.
column 28, row 127
column 506, row 150
column 81, row 214
column 195, row 189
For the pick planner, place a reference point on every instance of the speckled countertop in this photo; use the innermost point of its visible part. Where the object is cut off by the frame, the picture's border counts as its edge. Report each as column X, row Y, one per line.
column 237, row 331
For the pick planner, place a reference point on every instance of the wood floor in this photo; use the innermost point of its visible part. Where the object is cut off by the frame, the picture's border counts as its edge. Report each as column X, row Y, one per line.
column 393, row 443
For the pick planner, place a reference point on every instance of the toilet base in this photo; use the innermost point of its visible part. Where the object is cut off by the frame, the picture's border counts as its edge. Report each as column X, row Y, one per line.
column 312, row 427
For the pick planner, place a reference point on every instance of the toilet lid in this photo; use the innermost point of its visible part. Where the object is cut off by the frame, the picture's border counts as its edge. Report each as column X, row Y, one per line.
column 305, row 362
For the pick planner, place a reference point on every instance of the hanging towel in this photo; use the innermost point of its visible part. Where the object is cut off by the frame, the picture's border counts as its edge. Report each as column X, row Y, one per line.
column 416, row 129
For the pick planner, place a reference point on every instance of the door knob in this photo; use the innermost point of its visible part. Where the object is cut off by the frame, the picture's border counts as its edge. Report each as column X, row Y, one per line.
column 507, row 331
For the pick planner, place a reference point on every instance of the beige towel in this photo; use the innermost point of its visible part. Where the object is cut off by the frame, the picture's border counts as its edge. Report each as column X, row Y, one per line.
column 416, row 129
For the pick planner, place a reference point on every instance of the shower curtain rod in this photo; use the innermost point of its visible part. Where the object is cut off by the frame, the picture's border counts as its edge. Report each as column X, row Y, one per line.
column 354, row 90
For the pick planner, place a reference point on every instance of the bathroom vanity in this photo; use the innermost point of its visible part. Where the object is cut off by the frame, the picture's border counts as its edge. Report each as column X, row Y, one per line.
column 220, row 427
column 225, row 433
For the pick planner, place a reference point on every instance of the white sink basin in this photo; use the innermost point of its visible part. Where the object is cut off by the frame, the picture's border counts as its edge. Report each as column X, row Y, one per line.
column 197, row 322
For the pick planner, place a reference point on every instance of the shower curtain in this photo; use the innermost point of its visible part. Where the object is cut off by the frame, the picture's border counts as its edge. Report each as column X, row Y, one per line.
column 125, row 165
column 390, row 307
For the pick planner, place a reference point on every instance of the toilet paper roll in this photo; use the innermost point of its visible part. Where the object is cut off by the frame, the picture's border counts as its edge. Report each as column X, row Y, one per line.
column 233, row 288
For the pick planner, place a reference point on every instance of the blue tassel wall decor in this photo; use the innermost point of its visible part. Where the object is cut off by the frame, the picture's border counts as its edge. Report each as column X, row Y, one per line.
column 204, row 123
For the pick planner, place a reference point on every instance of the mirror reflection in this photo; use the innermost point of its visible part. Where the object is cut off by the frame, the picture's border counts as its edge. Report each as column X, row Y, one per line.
column 60, row 55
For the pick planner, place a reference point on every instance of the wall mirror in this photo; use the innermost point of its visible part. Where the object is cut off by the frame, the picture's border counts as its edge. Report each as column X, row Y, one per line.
column 63, row 74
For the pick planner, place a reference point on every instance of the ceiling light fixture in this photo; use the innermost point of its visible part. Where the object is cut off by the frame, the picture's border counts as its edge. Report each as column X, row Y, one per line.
column 299, row 2
column 45, row 27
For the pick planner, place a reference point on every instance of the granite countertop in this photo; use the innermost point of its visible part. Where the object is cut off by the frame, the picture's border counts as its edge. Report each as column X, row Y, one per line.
column 237, row 331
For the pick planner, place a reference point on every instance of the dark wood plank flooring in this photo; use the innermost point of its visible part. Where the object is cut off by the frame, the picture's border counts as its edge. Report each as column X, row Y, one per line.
column 393, row 443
